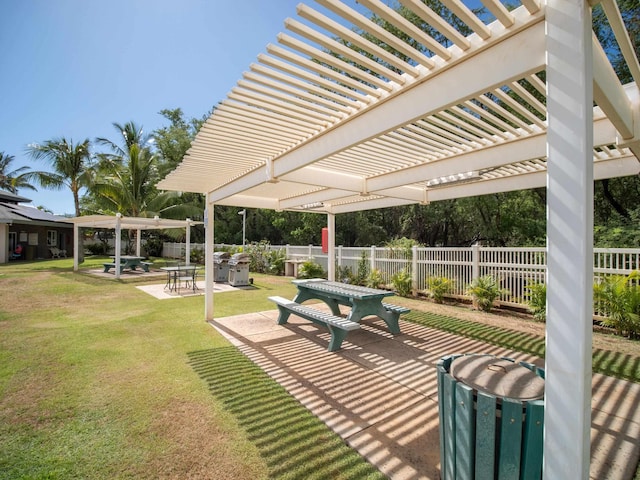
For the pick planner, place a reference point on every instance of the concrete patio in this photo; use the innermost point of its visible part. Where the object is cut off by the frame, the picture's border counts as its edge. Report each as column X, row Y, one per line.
column 379, row 393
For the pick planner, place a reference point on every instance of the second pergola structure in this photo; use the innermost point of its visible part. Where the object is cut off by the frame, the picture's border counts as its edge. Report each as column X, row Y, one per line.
column 118, row 222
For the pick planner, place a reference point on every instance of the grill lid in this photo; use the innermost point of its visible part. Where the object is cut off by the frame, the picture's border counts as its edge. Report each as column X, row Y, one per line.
column 239, row 258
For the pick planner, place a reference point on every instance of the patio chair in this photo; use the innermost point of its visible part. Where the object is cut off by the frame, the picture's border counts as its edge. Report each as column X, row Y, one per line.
column 188, row 277
column 57, row 252
column 17, row 253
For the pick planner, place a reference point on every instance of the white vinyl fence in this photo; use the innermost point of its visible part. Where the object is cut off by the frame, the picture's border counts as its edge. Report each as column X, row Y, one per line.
column 515, row 267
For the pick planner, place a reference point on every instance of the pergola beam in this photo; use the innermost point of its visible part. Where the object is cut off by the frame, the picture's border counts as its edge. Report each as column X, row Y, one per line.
column 521, row 54
column 609, row 94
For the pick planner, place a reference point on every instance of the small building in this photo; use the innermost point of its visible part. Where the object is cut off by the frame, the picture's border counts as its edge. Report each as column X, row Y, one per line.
column 35, row 231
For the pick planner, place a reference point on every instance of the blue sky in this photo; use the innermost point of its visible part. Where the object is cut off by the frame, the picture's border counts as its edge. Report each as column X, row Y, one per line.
column 73, row 67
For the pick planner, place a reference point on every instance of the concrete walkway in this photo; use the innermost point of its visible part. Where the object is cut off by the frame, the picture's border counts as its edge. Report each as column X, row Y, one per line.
column 379, row 393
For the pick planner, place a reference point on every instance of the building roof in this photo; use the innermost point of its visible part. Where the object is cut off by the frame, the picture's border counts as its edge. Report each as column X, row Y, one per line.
column 12, row 197
column 13, row 212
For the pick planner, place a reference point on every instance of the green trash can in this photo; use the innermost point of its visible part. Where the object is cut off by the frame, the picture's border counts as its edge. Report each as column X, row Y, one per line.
column 491, row 413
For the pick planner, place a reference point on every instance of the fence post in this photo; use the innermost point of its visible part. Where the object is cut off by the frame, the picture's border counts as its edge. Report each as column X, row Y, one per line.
column 310, row 250
column 475, row 261
column 286, row 252
column 373, row 258
column 339, row 255
column 414, row 269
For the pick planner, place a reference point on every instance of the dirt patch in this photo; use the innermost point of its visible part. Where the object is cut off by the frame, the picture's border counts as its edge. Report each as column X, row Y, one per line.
column 197, row 446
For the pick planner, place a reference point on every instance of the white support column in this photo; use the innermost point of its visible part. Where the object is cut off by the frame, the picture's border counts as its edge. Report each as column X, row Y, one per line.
column 208, row 260
column 569, row 240
column 118, row 243
column 331, row 254
column 76, row 246
column 187, row 252
column 138, row 242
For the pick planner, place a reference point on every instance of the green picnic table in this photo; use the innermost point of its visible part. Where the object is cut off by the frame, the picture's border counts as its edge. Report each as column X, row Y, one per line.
column 363, row 301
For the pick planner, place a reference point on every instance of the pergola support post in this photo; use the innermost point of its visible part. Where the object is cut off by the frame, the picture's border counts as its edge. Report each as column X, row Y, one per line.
column 118, row 243
column 76, row 244
column 208, row 260
column 569, row 239
column 138, row 242
column 331, row 246
column 187, row 253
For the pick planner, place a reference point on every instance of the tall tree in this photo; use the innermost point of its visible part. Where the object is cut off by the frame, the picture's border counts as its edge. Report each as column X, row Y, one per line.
column 126, row 176
column 71, row 165
column 173, row 141
column 12, row 180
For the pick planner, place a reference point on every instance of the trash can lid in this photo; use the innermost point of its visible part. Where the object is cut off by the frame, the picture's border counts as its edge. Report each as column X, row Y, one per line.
column 497, row 376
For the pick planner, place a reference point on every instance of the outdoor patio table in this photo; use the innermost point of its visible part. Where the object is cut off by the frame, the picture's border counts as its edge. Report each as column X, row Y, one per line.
column 363, row 301
column 127, row 261
column 173, row 273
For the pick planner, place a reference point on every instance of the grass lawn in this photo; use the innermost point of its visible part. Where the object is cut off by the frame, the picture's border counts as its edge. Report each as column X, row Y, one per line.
column 100, row 380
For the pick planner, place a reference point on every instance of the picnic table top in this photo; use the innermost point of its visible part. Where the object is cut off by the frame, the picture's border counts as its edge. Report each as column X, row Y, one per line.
column 342, row 289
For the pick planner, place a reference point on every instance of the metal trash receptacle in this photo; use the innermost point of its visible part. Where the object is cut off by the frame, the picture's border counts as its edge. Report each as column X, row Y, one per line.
column 239, row 270
column 491, row 414
column 221, row 267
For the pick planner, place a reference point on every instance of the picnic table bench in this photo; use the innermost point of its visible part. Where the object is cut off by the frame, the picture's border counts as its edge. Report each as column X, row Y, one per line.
column 109, row 266
column 338, row 326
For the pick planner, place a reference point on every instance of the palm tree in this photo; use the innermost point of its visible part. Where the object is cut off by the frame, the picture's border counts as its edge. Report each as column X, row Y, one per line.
column 12, row 180
column 127, row 184
column 132, row 134
column 71, row 164
column 126, row 178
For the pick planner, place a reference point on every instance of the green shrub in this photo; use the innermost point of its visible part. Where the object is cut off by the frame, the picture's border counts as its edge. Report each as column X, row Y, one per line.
column 484, row 291
column 438, row 287
column 97, row 248
column 276, row 260
column 401, row 247
column 153, row 246
column 311, row 269
column 618, row 299
column 537, row 301
column 363, row 269
column 402, row 283
column 264, row 259
column 196, row 255
column 375, row 279
column 345, row 274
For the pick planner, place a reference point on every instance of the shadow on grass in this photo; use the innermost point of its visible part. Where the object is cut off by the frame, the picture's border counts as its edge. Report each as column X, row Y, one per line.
column 293, row 442
column 606, row 362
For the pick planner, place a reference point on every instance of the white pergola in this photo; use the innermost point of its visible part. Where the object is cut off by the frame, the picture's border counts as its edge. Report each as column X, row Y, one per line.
column 118, row 222
column 317, row 126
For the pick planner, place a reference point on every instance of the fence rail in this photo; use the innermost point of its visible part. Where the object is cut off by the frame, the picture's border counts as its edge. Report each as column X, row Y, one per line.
column 514, row 267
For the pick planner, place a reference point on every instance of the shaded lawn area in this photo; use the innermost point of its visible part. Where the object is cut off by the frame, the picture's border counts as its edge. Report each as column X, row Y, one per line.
column 100, row 380
column 607, row 362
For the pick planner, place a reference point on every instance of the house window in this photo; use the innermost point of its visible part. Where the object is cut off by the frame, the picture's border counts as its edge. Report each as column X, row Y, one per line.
column 52, row 238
